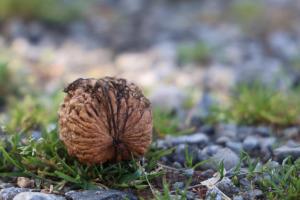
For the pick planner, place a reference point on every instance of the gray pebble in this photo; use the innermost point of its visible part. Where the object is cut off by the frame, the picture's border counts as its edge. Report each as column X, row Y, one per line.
column 5, row 185
column 37, row 196
column 178, row 185
column 229, row 158
column 263, row 131
column 190, row 195
column 238, row 197
column 10, row 193
column 228, row 130
column 99, row 195
column 267, row 143
column 237, row 147
column 197, row 138
column 222, row 140
column 254, row 194
column 188, row 172
column 227, row 187
column 245, row 184
column 251, row 144
column 290, row 133
column 213, row 194
column 177, row 165
column 211, row 150
column 285, row 151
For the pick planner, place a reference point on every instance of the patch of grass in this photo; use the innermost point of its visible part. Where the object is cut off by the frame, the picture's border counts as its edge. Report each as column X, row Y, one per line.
column 246, row 11
column 283, row 181
column 260, row 105
column 165, row 122
column 32, row 112
column 198, row 53
column 54, row 11
column 46, row 159
column 167, row 194
column 7, row 86
column 189, row 160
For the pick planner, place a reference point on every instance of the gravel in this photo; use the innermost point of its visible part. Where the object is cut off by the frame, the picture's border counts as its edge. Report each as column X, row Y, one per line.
column 99, row 195
column 37, row 196
column 11, row 192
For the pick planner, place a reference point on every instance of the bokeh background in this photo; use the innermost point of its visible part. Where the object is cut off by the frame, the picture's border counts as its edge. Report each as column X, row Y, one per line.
column 223, row 77
column 187, row 55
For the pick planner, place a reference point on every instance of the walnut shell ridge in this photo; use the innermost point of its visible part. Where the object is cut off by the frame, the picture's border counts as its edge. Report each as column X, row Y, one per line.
column 106, row 119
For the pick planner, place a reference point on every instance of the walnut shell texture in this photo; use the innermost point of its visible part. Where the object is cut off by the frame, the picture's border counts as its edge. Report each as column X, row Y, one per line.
column 106, row 119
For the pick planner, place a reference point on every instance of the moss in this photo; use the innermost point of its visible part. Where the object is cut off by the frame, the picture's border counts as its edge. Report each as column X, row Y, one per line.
column 198, row 53
column 7, row 85
column 55, row 11
column 260, row 105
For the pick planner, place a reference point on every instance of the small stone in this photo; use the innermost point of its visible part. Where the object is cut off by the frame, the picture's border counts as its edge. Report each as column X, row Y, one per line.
column 245, row 131
column 229, row 158
column 238, row 197
column 10, row 193
column 190, row 195
column 197, row 138
column 99, row 195
column 291, row 133
column 245, row 184
column 228, row 130
column 222, row 140
column 292, row 143
column 272, row 164
column 188, row 172
column 282, row 152
column 211, row 150
column 263, row 131
column 169, row 98
column 213, row 194
column 177, row 165
column 5, row 185
column 251, row 144
column 267, row 143
column 237, row 147
column 37, row 196
column 178, row 185
column 207, row 173
column 227, row 187
column 25, row 182
column 254, row 194
column 179, row 154
column 207, row 129
column 36, row 135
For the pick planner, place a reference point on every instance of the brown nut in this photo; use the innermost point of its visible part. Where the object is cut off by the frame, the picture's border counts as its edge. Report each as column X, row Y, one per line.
column 104, row 120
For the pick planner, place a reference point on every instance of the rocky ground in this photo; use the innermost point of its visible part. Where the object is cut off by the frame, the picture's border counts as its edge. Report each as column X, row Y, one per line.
column 154, row 44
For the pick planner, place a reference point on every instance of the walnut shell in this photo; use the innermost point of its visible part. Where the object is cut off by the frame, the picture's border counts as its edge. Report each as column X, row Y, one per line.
column 104, row 120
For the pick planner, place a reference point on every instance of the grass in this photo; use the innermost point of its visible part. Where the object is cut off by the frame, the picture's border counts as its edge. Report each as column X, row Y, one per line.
column 260, row 105
column 7, row 85
column 29, row 113
column 165, row 122
column 166, row 194
column 246, row 12
column 198, row 53
column 47, row 159
column 283, row 181
column 54, row 11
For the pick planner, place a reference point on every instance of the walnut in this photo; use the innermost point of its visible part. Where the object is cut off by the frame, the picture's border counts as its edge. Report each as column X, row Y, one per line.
column 104, row 120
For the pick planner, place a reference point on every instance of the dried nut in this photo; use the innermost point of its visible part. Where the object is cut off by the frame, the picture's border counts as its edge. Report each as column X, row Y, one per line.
column 104, row 120
column 24, row 182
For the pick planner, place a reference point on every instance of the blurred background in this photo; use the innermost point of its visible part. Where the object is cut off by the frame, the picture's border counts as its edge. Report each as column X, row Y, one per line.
column 189, row 56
